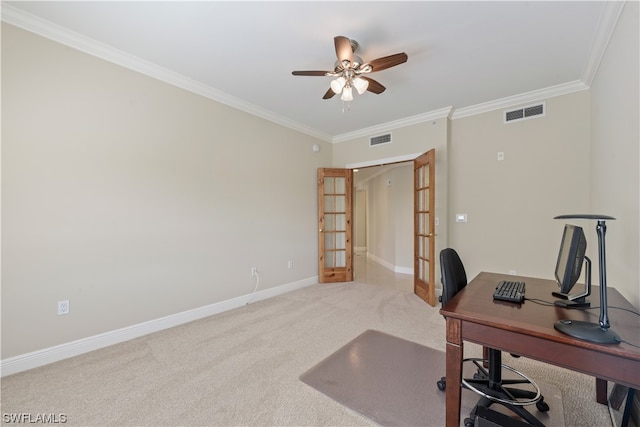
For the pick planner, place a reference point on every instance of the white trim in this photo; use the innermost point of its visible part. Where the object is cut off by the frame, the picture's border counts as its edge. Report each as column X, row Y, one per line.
column 389, row 126
column 92, row 47
column 56, row 353
column 403, row 270
column 523, row 98
column 606, row 25
column 397, row 159
column 611, row 11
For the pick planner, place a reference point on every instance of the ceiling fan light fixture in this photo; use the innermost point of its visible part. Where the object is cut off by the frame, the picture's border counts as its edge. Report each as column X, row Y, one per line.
column 348, row 69
column 338, row 84
column 347, row 94
column 360, row 84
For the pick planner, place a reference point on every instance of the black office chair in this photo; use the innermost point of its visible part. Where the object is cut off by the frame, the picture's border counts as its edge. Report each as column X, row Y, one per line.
column 488, row 382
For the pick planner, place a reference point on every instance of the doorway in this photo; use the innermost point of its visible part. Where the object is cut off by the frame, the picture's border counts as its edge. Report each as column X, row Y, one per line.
column 383, row 220
column 335, row 220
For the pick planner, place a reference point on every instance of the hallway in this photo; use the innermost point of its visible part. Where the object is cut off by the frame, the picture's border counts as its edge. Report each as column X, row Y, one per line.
column 370, row 272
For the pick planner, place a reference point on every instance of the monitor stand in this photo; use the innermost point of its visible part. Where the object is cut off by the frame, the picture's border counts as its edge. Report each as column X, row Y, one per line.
column 590, row 331
column 579, row 300
column 587, row 331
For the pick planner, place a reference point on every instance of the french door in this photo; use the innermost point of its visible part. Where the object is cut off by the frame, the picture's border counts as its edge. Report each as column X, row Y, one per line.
column 335, row 254
column 424, row 226
column 335, row 247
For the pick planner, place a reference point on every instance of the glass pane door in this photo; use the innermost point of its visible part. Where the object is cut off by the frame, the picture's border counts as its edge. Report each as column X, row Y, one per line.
column 334, row 188
column 424, row 249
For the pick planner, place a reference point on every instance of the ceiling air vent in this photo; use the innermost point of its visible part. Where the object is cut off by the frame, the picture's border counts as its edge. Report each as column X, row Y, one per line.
column 524, row 113
column 379, row 140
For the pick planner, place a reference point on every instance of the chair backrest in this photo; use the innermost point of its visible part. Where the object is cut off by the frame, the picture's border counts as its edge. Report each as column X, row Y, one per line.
column 454, row 278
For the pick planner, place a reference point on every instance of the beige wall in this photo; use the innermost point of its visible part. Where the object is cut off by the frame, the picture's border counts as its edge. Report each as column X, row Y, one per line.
column 135, row 200
column 615, row 160
column 510, row 203
column 389, row 219
column 581, row 157
column 402, row 183
column 360, row 220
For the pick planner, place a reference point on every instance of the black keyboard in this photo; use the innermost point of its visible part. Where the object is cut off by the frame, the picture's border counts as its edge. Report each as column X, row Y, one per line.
column 509, row 291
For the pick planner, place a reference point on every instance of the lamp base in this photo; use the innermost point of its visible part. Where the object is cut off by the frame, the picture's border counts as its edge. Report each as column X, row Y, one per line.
column 587, row 331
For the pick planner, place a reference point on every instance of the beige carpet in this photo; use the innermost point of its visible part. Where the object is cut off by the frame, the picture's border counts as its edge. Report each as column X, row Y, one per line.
column 393, row 382
column 242, row 368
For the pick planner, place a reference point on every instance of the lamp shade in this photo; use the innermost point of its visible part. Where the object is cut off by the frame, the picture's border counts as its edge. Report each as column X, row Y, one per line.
column 347, row 94
column 338, row 84
column 360, row 84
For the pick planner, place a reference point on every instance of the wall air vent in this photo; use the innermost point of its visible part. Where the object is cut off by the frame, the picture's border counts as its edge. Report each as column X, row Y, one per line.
column 379, row 140
column 524, row 113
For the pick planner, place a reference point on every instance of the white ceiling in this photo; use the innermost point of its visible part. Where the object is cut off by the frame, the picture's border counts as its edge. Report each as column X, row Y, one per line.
column 463, row 55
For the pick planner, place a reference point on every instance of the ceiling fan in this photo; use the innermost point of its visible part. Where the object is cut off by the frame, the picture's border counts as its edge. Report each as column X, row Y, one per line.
column 350, row 69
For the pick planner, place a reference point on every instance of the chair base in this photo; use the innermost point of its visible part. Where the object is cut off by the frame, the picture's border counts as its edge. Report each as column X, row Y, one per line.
column 482, row 385
column 487, row 418
column 493, row 392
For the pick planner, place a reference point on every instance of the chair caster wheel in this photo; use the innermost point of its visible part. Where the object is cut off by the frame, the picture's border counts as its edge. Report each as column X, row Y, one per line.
column 468, row 422
column 442, row 384
column 542, row 405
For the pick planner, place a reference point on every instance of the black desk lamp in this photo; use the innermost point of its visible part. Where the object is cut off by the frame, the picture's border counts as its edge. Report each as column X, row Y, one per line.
column 590, row 331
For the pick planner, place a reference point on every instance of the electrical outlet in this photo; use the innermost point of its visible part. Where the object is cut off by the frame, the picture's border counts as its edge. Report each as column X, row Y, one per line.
column 63, row 307
column 254, row 271
column 512, row 272
column 290, row 264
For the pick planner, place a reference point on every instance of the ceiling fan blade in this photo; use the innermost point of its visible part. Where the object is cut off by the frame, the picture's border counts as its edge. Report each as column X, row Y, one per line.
column 388, row 61
column 343, row 49
column 310, row 73
column 374, row 86
column 330, row 93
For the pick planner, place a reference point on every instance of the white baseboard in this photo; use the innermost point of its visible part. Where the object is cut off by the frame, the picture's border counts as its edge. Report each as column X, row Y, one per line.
column 403, row 270
column 389, row 266
column 56, row 353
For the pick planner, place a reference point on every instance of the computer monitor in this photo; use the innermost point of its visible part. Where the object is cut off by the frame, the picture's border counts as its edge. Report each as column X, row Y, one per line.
column 600, row 332
column 569, row 267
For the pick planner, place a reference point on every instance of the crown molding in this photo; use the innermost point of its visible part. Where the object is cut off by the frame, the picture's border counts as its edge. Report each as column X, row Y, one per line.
column 385, row 127
column 606, row 25
column 523, row 98
column 611, row 11
column 49, row 30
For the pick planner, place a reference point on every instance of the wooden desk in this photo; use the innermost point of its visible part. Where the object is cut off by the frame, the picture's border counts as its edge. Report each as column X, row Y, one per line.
column 527, row 329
